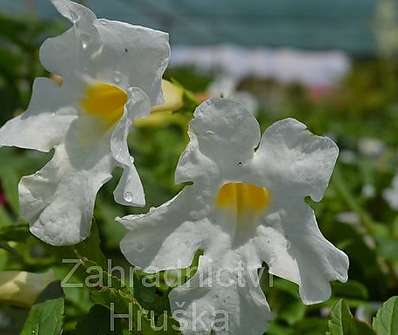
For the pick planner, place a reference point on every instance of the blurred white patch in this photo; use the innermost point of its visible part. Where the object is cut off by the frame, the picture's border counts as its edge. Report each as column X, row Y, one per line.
column 371, row 147
column 348, row 218
column 285, row 65
column 368, row 191
column 226, row 87
column 391, row 194
column 348, row 156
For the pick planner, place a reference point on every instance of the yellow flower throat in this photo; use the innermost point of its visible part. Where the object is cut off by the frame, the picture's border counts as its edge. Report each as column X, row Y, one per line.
column 243, row 198
column 104, row 101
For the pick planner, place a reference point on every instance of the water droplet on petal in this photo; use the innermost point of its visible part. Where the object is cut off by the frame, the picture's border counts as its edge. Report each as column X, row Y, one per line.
column 128, row 197
column 117, row 77
column 74, row 17
column 103, row 22
column 139, row 246
column 85, row 40
column 209, row 132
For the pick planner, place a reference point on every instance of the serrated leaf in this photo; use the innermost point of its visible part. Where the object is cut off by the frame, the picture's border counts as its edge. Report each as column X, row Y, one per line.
column 386, row 320
column 343, row 323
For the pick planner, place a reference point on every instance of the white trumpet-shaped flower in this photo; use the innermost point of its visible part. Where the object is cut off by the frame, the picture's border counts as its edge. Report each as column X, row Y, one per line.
column 245, row 206
column 109, row 74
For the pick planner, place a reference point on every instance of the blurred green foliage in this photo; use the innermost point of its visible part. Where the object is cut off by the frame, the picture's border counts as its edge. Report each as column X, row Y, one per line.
column 364, row 105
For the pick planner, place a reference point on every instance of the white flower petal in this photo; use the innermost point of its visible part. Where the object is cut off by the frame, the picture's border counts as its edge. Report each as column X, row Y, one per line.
column 225, row 130
column 58, row 200
column 109, row 51
column 22, row 288
column 222, row 296
column 46, row 120
column 141, row 56
column 73, row 11
column 154, row 246
column 129, row 190
column 103, row 65
column 297, row 159
column 69, row 54
column 295, row 249
column 191, row 159
column 244, row 205
column 222, row 131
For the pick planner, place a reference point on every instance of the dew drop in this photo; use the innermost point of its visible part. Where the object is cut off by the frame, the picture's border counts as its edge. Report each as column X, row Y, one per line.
column 139, row 246
column 210, row 132
column 38, row 175
column 84, row 39
column 74, row 17
column 117, row 77
column 128, row 197
column 103, row 22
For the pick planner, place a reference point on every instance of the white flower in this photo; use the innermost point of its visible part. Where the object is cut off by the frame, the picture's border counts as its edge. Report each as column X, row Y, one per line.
column 349, row 218
column 368, row 191
column 109, row 73
column 391, row 194
column 246, row 205
column 348, row 157
column 22, row 288
column 371, row 147
column 226, row 87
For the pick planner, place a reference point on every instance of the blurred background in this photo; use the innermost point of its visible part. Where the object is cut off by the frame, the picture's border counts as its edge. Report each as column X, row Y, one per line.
column 330, row 64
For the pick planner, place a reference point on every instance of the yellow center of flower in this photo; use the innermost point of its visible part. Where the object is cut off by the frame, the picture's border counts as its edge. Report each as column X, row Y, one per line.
column 104, row 101
column 243, row 198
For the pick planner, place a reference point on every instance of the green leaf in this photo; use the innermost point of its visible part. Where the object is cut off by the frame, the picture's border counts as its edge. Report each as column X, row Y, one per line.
column 311, row 326
column 5, row 219
column 46, row 315
column 88, row 252
column 97, row 322
column 343, row 323
column 386, row 320
column 9, row 181
column 112, row 233
column 350, row 290
column 16, row 233
column 388, row 248
column 292, row 311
